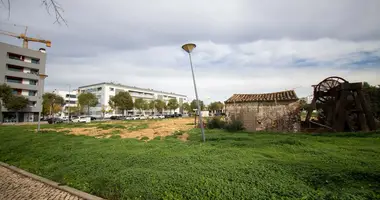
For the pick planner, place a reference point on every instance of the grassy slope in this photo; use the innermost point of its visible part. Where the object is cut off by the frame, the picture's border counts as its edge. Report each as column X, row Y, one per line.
column 228, row 166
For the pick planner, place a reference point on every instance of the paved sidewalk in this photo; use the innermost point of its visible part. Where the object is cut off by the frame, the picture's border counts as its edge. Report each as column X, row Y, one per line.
column 14, row 186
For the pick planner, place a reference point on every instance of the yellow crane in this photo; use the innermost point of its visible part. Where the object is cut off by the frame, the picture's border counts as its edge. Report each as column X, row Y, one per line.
column 26, row 39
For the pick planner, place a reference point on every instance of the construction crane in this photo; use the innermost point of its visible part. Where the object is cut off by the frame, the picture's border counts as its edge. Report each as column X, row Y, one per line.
column 26, row 39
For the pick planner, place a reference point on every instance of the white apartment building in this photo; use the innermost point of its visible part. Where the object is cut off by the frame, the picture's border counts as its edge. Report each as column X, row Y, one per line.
column 71, row 100
column 104, row 91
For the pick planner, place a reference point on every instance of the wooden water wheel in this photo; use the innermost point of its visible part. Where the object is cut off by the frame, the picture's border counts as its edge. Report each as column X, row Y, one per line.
column 340, row 106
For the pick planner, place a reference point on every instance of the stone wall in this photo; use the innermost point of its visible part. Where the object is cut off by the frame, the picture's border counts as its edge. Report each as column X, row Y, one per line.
column 270, row 116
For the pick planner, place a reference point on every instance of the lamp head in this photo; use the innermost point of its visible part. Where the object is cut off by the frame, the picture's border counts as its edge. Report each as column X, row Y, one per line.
column 188, row 47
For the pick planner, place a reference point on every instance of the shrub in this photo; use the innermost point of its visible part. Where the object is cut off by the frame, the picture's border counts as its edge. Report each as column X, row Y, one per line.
column 144, row 138
column 215, row 122
column 234, row 125
column 178, row 132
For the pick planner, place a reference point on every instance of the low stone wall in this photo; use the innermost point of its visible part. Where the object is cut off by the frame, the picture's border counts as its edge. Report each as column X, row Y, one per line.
column 270, row 116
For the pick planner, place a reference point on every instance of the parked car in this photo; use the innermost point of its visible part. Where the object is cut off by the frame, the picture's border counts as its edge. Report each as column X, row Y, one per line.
column 135, row 117
column 142, row 117
column 54, row 120
column 129, row 117
column 115, row 117
column 177, row 115
column 81, row 119
column 160, row 116
column 153, row 117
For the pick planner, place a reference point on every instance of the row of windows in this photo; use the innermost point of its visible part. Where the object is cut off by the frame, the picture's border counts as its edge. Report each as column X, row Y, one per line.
column 31, row 93
column 71, row 96
column 23, row 58
column 18, row 80
column 92, row 90
column 16, row 68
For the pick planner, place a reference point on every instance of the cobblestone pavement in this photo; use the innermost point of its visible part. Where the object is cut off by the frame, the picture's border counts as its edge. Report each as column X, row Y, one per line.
column 14, row 186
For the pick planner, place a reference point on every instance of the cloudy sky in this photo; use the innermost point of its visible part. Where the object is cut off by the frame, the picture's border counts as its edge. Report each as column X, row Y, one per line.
column 243, row 46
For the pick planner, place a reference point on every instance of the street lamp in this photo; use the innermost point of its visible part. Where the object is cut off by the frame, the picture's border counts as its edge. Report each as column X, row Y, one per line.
column 188, row 48
column 42, row 77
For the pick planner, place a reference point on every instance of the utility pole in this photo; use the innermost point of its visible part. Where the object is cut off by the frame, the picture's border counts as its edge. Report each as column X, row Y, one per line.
column 68, row 105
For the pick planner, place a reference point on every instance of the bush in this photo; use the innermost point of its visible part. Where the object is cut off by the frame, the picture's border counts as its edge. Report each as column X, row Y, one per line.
column 234, row 125
column 215, row 122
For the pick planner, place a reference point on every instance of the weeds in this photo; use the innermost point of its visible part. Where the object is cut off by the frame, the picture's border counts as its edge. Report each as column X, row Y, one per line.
column 110, row 126
column 137, row 127
column 237, row 165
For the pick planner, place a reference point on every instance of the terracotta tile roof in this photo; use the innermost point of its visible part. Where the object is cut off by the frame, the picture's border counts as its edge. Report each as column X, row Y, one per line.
column 287, row 95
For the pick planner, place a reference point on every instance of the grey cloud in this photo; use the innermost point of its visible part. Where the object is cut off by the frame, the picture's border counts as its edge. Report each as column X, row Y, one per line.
column 240, row 43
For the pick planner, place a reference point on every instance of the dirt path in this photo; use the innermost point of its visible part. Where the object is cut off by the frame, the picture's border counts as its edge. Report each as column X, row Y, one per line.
column 17, row 186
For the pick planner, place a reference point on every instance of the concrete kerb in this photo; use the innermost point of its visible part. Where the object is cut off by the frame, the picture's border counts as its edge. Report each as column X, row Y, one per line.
column 65, row 188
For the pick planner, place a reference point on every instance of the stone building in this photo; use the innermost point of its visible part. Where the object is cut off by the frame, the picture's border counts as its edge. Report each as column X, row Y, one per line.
column 279, row 111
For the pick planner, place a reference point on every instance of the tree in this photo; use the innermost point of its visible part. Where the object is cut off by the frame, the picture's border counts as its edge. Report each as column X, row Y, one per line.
column 87, row 100
column 139, row 104
column 5, row 95
column 160, row 105
column 151, row 105
column 145, row 105
column 103, row 110
column 122, row 101
column 74, row 110
column 194, row 105
column 49, row 100
column 186, row 107
column 16, row 103
column 216, row 106
column 173, row 104
column 50, row 5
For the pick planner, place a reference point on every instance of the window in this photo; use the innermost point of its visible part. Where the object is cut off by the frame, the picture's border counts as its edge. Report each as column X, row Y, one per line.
column 35, row 61
column 14, row 56
column 17, row 91
column 112, row 89
column 14, row 80
column 32, row 93
column 23, row 58
column 32, row 103
column 99, row 89
column 34, row 71
column 32, row 82
column 71, row 96
column 15, row 68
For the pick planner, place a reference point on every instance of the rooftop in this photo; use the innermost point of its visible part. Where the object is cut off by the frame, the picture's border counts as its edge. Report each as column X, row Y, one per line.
column 287, row 95
column 121, row 85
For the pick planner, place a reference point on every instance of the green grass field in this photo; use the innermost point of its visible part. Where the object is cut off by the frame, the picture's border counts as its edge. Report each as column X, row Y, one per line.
column 228, row 166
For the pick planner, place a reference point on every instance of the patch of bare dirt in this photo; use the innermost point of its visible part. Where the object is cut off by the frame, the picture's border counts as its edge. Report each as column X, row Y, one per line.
column 160, row 128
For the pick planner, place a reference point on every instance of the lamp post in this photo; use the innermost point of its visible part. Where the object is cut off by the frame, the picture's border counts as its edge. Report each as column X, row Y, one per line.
column 188, row 48
column 42, row 77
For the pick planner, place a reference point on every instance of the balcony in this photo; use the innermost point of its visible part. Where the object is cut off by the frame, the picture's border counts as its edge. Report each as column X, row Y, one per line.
column 142, row 96
column 21, row 75
column 23, row 86
column 23, row 64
